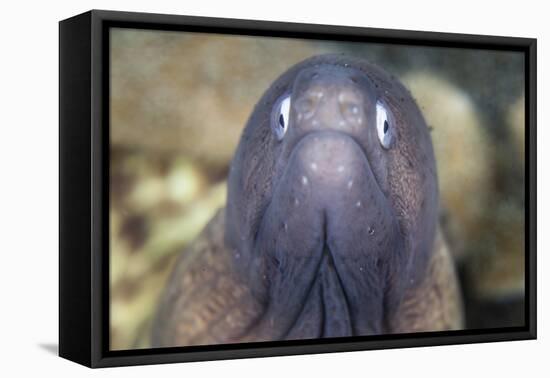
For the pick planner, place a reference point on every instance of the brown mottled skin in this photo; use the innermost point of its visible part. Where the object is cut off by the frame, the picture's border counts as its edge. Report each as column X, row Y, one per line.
column 327, row 232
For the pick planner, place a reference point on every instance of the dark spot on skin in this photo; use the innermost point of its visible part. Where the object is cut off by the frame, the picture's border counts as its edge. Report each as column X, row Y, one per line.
column 276, row 261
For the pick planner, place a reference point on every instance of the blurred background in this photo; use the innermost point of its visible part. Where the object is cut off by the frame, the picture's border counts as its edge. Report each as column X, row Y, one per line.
column 179, row 102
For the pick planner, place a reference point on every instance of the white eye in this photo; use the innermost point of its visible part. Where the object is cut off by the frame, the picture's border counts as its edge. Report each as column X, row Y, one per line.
column 383, row 126
column 282, row 117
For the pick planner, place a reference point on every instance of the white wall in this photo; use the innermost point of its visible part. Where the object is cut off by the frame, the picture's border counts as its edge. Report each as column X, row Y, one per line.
column 28, row 185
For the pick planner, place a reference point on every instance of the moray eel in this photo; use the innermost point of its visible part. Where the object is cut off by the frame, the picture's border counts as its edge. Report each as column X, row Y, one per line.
column 331, row 225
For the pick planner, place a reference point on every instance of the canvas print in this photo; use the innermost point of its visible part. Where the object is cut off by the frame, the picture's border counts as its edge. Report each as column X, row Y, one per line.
column 269, row 189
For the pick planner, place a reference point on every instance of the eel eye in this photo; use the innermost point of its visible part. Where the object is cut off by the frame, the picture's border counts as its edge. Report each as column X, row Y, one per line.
column 282, row 114
column 383, row 125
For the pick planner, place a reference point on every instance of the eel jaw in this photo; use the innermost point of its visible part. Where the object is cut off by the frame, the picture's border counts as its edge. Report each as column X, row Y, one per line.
column 324, row 244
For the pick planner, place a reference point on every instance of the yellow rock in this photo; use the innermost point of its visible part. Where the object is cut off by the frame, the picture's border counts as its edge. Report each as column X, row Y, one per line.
column 191, row 92
column 463, row 154
column 516, row 123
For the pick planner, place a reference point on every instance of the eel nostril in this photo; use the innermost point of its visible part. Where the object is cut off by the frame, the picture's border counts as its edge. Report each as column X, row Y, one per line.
column 306, row 104
column 350, row 104
column 351, row 111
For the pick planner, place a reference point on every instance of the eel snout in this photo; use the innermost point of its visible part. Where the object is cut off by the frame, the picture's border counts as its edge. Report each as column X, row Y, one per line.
column 329, row 168
column 330, row 100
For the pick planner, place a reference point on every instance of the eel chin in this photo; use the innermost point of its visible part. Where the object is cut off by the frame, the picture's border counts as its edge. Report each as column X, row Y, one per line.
column 327, row 239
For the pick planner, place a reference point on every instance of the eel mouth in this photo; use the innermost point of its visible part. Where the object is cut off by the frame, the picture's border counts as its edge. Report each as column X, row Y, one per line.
column 323, row 239
column 325, row 311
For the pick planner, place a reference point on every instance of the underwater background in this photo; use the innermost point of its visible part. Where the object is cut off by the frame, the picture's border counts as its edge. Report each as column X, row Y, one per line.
column 179, row 102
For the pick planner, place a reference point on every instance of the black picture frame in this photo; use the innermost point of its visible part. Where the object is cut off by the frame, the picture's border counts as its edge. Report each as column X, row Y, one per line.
column 84, row 192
